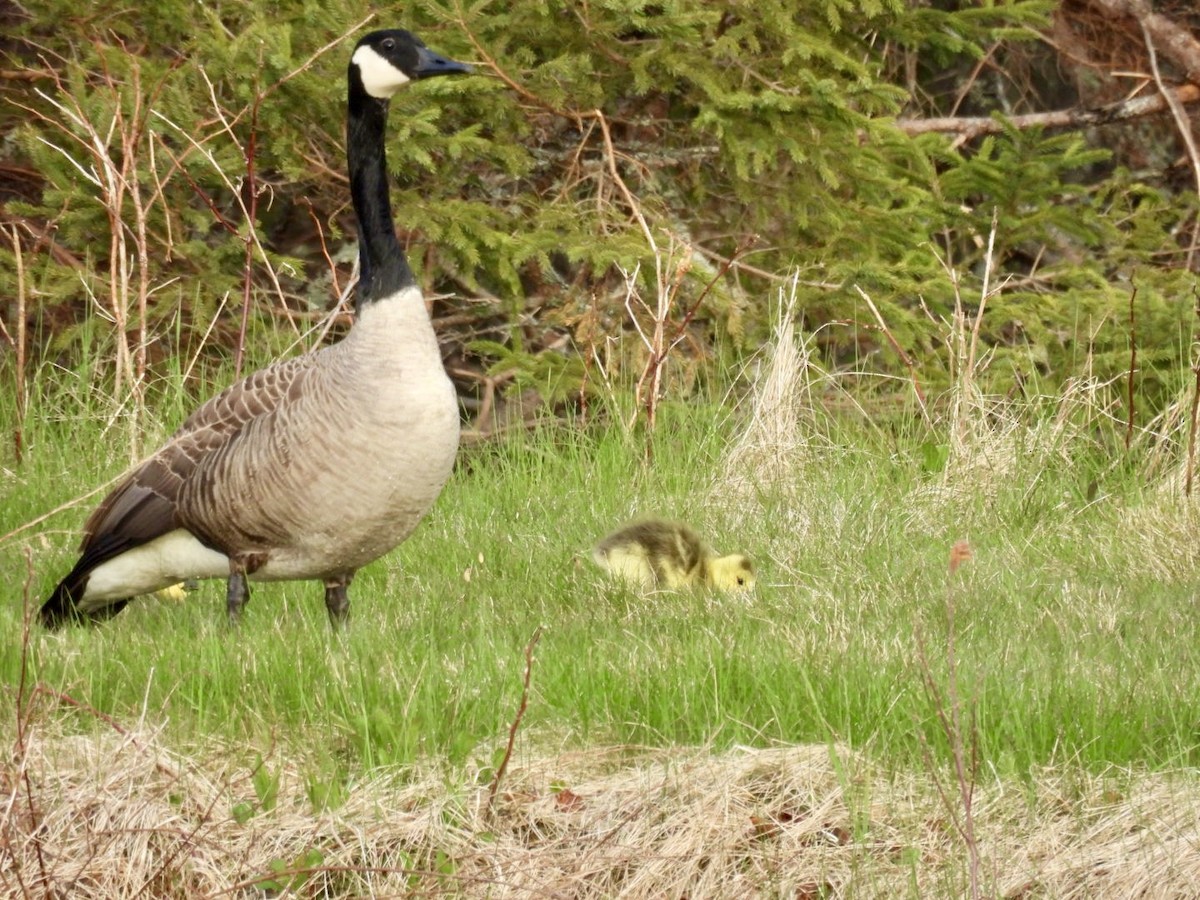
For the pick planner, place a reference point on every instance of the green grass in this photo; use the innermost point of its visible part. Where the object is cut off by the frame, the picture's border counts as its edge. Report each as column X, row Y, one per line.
column 1074, row 623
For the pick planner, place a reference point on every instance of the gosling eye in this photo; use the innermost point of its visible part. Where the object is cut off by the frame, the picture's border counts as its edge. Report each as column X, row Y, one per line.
column 741, row 581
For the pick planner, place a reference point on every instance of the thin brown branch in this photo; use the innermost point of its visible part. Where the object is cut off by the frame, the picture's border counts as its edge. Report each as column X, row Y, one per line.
column 317, row 54
column 19, row 348
column 1131, row 412
column 250, row 207
column 1175, row 40
column 516, row 722
column 975, row 126
column 948, row 707
column 333, row 272
column 1182, row 123
column 900, row 351
column 722, row 271
column 23, row 713
column 1194, row 414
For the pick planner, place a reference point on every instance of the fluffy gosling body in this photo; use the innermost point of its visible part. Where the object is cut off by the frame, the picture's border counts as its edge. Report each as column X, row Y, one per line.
column 655, row 553
column 177, row 592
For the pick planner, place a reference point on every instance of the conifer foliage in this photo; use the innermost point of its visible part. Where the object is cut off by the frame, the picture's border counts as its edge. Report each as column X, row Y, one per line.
column 173, row 182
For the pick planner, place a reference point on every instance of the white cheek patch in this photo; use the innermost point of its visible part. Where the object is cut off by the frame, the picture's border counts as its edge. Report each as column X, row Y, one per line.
column 379, row 77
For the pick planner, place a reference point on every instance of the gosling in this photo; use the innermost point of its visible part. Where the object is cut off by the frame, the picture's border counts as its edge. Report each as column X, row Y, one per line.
column 177, row 592
column 654, row 554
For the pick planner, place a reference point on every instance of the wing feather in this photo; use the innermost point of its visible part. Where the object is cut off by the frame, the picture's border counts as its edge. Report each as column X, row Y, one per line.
column 146, row 504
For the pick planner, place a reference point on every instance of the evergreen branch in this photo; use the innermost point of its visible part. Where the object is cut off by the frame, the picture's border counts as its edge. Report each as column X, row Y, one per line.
column 317, row 54
column 513, row 85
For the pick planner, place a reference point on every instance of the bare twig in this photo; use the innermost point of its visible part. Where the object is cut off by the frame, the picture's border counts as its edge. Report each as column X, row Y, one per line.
column 985, row 291
column 23, row 714
column 1195, row 410
column 904, row 357
column 1131, row 412
column 333, row 272
column 976, row 126
column 516, row 722
column 948, row 708
column 1175, row 40
column 250, row 205
column 19, row 348
column 1182, row 123
column 722, row 271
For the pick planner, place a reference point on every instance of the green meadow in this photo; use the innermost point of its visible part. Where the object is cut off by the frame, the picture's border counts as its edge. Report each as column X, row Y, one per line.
column 1071, row 627
column 975, row 598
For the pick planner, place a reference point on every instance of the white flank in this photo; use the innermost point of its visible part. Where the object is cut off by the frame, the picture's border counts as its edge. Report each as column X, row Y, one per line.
column 379, row 77
column 162, row 562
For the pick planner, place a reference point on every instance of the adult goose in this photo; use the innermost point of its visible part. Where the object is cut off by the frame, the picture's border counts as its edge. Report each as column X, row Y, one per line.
column 314, row 466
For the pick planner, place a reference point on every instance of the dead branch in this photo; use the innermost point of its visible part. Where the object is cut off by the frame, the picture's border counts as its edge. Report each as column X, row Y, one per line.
column 1174, row 40
column 974, row 126
column 516, row 723
column 1182, row 122
column 1194, row 412
column 1131, row 381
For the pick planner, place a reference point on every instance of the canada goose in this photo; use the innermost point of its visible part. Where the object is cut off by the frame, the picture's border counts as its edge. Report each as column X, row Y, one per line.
column 316, row 465
column 655, row 553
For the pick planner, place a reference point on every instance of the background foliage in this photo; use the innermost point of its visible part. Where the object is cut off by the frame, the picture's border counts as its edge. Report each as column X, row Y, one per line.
column 599, row 140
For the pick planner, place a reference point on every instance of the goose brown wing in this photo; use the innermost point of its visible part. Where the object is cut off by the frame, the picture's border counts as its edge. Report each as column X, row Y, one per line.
column 146, row 505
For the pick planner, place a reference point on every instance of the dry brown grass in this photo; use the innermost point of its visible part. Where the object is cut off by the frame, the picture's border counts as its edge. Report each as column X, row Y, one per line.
column 771, row 450
column 124, row 815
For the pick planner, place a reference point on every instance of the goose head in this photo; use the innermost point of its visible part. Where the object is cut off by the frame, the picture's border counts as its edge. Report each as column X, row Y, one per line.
column 733, row 573
column 385, row 61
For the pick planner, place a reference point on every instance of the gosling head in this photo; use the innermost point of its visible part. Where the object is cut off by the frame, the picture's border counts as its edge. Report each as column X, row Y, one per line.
column 385, row 61
column 732, row 573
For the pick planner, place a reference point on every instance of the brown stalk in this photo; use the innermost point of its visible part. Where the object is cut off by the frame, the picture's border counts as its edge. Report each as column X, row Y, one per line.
column 1131, row 412
column 329, row 263
column 1194, row 413
column 968, row 127
column 516, row 722
column 115, row 152
column 23, row 715
column 19, row 347
column 1182, row 121
column 250, row 207
column 900, row 351
column 948, row 709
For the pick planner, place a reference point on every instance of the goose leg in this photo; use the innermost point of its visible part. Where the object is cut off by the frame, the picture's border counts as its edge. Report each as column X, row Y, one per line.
column 336, row 600
column 236, row 595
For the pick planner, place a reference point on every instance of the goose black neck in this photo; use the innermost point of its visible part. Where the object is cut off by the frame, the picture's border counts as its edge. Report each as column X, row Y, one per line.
column 383, row 270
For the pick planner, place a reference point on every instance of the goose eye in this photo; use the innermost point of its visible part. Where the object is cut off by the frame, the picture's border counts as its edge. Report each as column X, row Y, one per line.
column 388, row 44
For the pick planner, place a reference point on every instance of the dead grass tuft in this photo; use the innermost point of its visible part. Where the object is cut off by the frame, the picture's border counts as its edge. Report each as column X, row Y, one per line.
column 123, row 816
column 769, row 454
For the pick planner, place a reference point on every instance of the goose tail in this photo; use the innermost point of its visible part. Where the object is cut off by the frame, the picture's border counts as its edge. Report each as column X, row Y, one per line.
column 63, row 605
